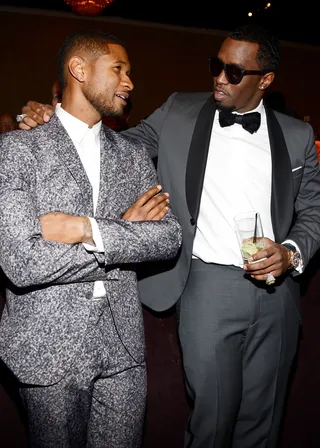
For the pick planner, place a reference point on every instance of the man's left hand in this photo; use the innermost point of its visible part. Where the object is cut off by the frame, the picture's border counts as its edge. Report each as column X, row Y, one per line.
column 64, row 228
column 276, row 263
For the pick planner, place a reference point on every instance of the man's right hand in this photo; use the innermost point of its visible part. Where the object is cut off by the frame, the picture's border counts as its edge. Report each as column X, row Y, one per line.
column 151, row 206
column 36, row 113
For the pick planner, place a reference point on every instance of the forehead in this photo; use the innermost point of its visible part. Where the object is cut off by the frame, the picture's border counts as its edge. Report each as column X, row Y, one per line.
column 116, row 53
column 239, row 52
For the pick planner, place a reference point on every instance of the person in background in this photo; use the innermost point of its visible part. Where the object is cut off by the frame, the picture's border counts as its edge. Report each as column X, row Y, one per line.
column 7, row 122
column 317, row 142
column 56, row 93
column 72, row 327
column 219, row 154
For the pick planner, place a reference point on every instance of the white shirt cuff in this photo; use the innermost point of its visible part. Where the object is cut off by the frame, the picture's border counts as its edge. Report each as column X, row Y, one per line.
column 96, row 236
column 299, row 268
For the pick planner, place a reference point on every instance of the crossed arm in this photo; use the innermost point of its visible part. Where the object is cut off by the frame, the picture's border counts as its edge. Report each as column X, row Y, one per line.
column 69, row 229
column 47, row 251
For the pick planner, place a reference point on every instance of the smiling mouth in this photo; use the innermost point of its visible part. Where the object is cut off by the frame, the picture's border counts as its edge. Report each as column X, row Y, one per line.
column 122, row 96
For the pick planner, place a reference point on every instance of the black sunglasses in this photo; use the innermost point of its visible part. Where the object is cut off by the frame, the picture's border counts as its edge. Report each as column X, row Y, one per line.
column 233, row 73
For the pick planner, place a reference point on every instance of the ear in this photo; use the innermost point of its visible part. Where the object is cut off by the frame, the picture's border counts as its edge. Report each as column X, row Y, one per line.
column 76, row 68
column 266, row 80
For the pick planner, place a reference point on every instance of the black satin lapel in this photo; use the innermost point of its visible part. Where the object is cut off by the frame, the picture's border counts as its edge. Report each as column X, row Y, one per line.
column 282, row 201
column 71, row 160
column 197, row 158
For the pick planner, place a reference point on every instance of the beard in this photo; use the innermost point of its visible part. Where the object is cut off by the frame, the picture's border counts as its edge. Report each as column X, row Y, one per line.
column 104, row 107
column 222, row 108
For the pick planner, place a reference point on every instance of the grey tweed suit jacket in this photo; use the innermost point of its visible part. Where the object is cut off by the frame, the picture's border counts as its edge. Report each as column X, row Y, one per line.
column 50, row 285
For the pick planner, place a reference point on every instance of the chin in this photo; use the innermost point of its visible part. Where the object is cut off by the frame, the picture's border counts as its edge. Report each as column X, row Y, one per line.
column 112, row 114
column 225, row 108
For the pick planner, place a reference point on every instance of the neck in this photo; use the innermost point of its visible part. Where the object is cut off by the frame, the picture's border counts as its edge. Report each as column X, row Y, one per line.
column 80, row 108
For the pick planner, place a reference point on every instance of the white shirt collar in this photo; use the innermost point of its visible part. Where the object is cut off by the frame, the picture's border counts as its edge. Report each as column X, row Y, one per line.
column 75, row 127
column 259, row 108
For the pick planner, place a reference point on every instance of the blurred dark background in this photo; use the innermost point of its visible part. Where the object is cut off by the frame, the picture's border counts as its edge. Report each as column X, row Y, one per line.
column 294, row 21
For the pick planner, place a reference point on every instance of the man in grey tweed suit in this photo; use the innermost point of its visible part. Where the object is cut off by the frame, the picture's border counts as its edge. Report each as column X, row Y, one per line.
column 75, row 220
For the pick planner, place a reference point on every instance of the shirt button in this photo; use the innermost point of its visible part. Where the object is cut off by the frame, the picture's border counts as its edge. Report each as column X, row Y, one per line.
column 88, row 295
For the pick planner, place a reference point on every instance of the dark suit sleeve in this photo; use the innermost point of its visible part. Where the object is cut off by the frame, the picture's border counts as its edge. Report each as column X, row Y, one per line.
column 26, row 259
column 134, row 242
column 306, row 229
column 149, row 130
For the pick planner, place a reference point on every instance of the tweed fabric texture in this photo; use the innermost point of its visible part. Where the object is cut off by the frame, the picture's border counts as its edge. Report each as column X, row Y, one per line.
column 51, row 284
column 101, row 400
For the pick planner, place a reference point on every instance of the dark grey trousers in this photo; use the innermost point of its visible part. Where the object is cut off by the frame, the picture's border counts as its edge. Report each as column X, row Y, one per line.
column 238, row 339
column 100, row 403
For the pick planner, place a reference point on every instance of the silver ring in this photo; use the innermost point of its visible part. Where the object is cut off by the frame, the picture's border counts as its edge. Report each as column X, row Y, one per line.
column 20, row 117
column 270, row 279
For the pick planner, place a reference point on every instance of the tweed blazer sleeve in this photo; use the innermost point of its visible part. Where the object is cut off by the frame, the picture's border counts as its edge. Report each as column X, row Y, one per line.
column 134, row 242
column 25, row 257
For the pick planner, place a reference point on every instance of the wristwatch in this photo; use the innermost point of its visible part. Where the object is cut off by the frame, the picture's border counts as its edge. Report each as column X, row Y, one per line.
column 295, row 256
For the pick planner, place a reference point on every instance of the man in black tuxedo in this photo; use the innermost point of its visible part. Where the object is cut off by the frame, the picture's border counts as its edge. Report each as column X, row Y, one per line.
column 238, row 333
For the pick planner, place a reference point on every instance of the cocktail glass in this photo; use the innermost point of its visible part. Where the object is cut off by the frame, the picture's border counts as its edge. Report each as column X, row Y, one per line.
column 251, row 238
column 249, row 233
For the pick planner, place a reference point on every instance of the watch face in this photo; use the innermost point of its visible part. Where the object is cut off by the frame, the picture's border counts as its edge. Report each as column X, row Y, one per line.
column 295, row 259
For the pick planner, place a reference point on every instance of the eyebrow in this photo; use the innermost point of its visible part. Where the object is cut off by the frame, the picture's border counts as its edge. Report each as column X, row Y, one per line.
column 119, row 62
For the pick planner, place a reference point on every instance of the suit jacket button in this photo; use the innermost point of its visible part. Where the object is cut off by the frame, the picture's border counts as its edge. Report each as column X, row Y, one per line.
column 192, row 222
column 88, row 295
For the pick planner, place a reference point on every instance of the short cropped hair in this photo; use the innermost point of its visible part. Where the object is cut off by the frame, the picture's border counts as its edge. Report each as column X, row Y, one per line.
column 268, row 55
column 93, row 42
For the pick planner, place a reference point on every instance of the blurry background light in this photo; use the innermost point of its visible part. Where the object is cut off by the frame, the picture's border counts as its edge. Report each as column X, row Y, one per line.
column 88, row 7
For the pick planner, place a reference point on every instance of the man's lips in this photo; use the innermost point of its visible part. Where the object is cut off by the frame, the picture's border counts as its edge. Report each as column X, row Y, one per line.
column 123, row 97
column 219, row 94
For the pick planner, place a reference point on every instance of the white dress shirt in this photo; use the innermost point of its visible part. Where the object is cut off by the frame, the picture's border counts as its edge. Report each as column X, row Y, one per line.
column 87, row 143
column 237, row 179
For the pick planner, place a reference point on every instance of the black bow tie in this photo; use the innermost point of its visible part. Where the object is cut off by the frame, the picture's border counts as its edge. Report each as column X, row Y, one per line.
column 250, row 122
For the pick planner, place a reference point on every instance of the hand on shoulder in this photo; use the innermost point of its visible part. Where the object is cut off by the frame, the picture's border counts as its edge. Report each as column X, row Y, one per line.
column 34, row 113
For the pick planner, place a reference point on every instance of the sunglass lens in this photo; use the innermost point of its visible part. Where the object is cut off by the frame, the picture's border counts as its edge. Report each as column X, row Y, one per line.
column 233, row 74
column 215, row 66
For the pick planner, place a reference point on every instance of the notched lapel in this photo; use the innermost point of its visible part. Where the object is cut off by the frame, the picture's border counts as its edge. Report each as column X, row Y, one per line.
column 105, row 172
column 71, row 160
column 198, row 155
column 282, row 201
